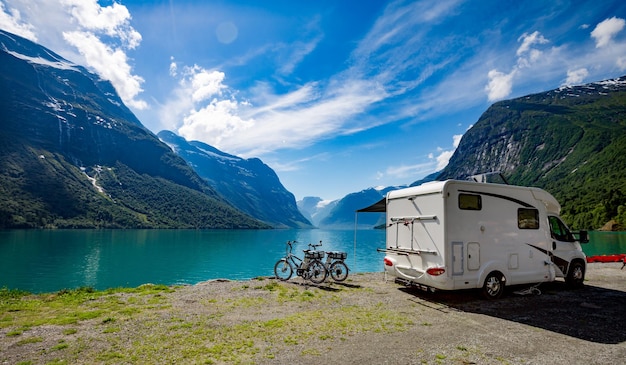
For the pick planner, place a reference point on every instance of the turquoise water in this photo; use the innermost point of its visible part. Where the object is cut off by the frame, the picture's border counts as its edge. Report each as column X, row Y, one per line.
column 51, row 260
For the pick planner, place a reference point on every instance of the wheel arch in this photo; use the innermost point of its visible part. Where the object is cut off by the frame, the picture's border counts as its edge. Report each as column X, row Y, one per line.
column 489, row 268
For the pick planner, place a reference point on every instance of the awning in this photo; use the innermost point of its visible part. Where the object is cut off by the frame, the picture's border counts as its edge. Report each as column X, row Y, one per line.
column 378, row 207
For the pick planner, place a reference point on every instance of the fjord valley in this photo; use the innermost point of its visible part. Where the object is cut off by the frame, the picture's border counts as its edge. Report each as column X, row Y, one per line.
column 72, row 155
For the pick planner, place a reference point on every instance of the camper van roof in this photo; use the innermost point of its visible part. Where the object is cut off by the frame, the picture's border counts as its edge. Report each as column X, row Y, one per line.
column 552, row 205
column 426, row 188
column 433, row 187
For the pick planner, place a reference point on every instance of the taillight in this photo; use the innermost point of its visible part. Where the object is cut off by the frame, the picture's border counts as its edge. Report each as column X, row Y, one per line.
column 435, row 271
column 388, row 262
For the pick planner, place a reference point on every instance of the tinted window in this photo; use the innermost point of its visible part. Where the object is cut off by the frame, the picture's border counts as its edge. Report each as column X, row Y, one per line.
column 559, row 230
column 527, row 218
column 470, row 202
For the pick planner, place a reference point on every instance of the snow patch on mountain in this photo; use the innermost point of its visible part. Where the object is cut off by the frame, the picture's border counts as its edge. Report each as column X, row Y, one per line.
column 61, row 65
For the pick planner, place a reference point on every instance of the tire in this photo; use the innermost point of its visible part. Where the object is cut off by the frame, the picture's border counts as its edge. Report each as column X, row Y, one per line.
column 316, row 272
column 339, row 271
column 283, row 270
column 575, row 275
column 493, row 288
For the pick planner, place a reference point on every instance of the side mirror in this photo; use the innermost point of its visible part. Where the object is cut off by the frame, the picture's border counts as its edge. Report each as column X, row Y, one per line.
column 583, row 236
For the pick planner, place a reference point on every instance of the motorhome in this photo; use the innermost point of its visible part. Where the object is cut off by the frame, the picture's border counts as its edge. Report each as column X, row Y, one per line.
column 453, row 234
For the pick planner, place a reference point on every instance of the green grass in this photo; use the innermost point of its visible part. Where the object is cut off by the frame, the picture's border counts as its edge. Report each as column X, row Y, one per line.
column 66, row 307
column 145, row 325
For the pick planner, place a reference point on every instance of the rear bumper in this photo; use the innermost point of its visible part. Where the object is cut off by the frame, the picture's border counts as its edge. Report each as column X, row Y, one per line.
column 400, row 268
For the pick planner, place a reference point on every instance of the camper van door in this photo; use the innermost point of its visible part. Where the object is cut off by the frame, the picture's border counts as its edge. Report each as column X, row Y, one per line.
column 563, row 243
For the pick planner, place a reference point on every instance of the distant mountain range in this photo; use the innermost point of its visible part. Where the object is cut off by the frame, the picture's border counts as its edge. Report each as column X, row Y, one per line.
column 72, row 155
column 249, row 184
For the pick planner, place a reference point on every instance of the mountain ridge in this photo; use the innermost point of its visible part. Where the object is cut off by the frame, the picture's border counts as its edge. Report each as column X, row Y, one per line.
column 248, row 184
column 569, row 141
column 72, row 155
column 555, row 140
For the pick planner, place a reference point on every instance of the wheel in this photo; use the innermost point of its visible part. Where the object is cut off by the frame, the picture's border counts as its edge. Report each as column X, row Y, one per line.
column 339, row 271
column 494, row 286
column 283, row 270
column 575, row 275
column 317, row 271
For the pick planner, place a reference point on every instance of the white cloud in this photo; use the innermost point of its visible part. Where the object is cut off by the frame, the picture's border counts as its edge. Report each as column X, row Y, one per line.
column 84, row 32
column 456, row 139
column 206, row 84
column 529, row 40
column 420, row 169
column 576, row 77
column 213, row 113
column 500, row 85
column 113, row 20
column 11, row 21
column 199, row 102
column 216, row 121
column 444, row 157
column 604, row 32
column 173, row 68
column 409, row 171
column 298, row 51
column 110, row 64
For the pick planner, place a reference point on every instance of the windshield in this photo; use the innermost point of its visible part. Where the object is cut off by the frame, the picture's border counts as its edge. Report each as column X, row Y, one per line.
column 559, row 230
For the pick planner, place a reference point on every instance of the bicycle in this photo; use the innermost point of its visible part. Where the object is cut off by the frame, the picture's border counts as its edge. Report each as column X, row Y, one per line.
column 335, row 264
column 311, row 268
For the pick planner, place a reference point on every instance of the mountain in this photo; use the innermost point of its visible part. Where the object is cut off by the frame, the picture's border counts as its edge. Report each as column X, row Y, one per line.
column 570, row 141
column 248, row 184
column 73, row 155
column 428, row 178
column 339, row 214
column 315, row 208
column 342, row 214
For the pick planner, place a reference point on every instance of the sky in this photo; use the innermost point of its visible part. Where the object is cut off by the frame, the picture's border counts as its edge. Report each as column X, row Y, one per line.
column 335, row 96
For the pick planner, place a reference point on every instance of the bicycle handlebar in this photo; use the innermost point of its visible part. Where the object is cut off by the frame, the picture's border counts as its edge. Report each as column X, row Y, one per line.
column 290, row 245
column 314, row 245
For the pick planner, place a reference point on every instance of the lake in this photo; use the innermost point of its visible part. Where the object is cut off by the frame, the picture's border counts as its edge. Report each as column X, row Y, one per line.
column 51, row 260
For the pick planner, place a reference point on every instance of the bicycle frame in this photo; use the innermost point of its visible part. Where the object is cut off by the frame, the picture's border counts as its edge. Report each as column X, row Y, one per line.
column 309, row 268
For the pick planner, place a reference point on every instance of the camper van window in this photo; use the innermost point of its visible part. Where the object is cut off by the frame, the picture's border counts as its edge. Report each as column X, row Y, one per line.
column 470, row 202
column 527, row 218
column 559, row 230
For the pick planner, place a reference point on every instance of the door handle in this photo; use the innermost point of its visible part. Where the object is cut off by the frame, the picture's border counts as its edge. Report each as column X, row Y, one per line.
column 553, row 245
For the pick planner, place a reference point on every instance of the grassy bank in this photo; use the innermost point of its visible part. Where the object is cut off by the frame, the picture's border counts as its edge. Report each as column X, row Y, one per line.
column 366, row 320
column 150, row 324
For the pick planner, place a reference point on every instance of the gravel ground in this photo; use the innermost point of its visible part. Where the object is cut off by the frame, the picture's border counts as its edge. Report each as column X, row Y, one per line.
column 399, row 325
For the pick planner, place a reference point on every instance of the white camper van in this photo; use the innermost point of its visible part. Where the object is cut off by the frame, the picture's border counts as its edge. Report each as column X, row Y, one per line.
column 454, row 234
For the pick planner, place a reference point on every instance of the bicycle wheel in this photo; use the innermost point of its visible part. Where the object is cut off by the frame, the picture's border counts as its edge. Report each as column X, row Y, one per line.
column 317, row 271
column 283, row 270
column 339, row 271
